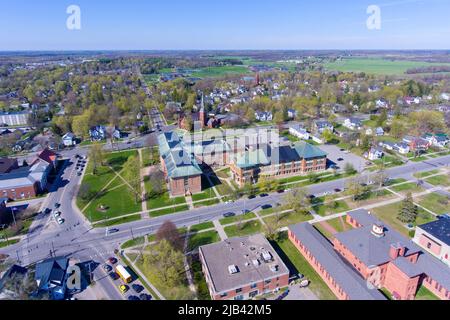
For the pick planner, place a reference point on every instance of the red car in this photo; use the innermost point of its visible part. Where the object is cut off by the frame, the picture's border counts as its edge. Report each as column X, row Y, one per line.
column 112, row 260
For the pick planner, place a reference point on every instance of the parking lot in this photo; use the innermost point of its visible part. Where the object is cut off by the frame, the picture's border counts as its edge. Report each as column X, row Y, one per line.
column 341, row 157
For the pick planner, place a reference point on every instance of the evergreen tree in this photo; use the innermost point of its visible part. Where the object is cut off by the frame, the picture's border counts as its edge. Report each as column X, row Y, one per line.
column 409, row 211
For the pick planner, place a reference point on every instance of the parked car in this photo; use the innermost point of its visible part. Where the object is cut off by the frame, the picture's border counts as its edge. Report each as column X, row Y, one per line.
column 123, row 288
column 60, row 220
column 112, row 260
column 229, row 214
column 107, row 268
column 263, row 195
column 133, row 298
column 57, row 214
column 114, row 276
column 145, row 297
column 57, row 205
column 251, row 197
column 137, row 288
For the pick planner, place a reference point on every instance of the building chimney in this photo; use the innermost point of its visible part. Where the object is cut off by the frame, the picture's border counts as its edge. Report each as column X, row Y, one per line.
column 394, row 251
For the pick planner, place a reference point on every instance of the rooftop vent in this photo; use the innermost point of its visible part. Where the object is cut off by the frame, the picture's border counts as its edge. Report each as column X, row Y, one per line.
column 233, row 269
column 274, row 268
column 256, row 262
column 378, row 230
column 267, row 256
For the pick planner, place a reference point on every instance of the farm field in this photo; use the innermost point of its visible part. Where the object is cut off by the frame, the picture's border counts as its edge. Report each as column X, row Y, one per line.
column 376, row 66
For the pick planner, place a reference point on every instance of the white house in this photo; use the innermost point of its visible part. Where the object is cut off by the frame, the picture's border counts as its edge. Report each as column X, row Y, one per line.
column 299, row 132
column 445, row 96
column 317, row 139
column 264, row 116
column 379, row 132
column 353, row 123
column 69, row 139
column 375, row 154
column 438, row 140
column 402, row 148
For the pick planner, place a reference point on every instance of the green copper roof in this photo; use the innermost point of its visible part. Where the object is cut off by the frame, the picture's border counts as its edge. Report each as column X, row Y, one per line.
column 251, row 159
column 308, row 151
column 177, row 159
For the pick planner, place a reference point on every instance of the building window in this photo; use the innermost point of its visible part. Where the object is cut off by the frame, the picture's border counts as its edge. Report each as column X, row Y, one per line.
column 429, row 245
column 239, row 290
column 223, row 295
column 253, row 286
column 253, row 294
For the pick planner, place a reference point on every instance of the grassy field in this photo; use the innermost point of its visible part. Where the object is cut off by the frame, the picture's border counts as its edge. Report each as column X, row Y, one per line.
column 164, row 212
column 408, row 187
column 207, row 203
column 118, row 221
column 133, row 243
column 439, row 181
column 376, row 66
column 4, row 244
column 109, row 190
column 202, row 226
column 247, row 228
column 324, row 210
column 435, row 202
column 287, row 219
column 202, row 238
column 425, row 174
column 297, row 264
column 389, row 215
column 425, row 294
column 163, row 200
column 218, row 72
column 242, row 217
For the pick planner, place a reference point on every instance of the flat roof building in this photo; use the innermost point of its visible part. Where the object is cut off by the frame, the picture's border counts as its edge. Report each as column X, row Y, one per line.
column 242, row 268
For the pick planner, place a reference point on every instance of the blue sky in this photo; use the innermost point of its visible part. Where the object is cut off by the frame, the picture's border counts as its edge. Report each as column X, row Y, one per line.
column 224, row 24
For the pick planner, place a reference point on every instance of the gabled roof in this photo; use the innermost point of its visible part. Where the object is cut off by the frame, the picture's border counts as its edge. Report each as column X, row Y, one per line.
column 47, row 156
column 346, row 277
column 51, row 270
column 308, row 151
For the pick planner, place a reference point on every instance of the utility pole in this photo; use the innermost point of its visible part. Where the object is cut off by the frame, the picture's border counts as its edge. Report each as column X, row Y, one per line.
column 14, row 216
column 53, row 248
column 132, row 235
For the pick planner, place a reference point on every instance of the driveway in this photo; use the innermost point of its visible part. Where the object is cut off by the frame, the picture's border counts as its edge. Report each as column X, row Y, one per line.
column 335, row 153
column 297, row 293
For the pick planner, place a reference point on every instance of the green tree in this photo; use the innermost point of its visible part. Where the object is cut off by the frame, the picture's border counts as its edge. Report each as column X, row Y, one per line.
column 409, row 211
column 298, row 201
column 96, row 156
column 131, row 173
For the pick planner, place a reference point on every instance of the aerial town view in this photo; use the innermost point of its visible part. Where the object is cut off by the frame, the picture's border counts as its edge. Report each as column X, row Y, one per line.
column 240, row 154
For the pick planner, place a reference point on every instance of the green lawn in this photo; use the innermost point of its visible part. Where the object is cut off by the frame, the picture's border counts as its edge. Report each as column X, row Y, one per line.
column 117, row 159
column 377, row 65
column 435, row 202
column 217, row 72
column 202, row 238
column 442, row 180
column 425, row 294
column 118, row 221
column 150, row 157
column 392, row 182
column 409, row 187
column 242, row 217
column 133, row 243
column 297, row 264
column 204, row 195
column 247, row 228
column 389, row 215
column 421, row 175
column 287, row 219
column 324, row 210
column 224, row 174
column 163, row 200
column 119, row 202
column 206, row 203
column 202, row 226
column 4, row 244
column 164, row 212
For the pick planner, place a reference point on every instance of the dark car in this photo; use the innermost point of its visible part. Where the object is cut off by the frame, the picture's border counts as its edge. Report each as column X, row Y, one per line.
column 57, row 205
column 107, row 267
column 266, row 206
column 263, row 195
column 137, row 288
column 281, row 191
column 114, row 276
column 229, row 214
column 145, row 297
column 340, row 159
column 251, row 197
column 47, row 211
column 112, row 260
column 337, row 190
column 133, row 298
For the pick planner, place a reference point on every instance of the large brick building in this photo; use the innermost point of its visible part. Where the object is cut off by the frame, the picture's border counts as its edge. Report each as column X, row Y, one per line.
column 242, row 268
column 27, row 181
column 378, row 254
column 181, row 169
column 277, row 161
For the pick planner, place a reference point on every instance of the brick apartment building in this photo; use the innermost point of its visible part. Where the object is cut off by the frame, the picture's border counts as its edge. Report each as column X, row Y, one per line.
column 181, row 169
column 434, row 237
column 242, row 268
column 389, row 260
column 279, row 162
column 27, row 181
